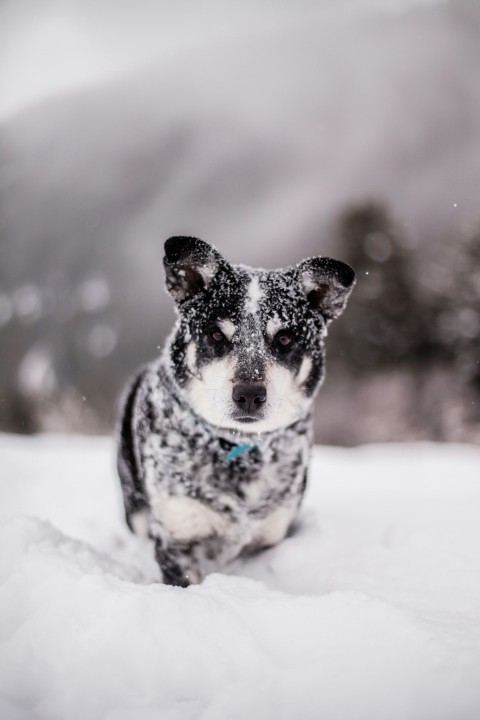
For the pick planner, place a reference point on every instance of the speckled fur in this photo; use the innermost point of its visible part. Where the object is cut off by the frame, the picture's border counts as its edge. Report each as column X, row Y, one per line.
column 176, row 430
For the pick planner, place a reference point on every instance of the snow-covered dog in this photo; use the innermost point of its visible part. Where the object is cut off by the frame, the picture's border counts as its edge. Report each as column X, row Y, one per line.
column 215, row 435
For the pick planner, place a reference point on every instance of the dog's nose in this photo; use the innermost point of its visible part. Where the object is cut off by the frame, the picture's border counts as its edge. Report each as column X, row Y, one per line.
column 249, row 396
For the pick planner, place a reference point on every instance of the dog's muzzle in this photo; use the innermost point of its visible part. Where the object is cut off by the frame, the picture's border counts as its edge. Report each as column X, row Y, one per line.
column 249, row 398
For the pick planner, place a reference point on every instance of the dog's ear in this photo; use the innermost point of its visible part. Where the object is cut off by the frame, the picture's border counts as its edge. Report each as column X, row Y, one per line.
column 190, row 264
column 327, row 284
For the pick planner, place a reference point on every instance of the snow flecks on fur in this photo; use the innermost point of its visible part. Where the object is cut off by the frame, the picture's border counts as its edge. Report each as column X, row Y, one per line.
column 274, row 324
column 228, row 328
column 254, row 295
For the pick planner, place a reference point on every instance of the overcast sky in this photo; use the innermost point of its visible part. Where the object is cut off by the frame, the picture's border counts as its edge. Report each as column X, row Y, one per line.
column 48, row 46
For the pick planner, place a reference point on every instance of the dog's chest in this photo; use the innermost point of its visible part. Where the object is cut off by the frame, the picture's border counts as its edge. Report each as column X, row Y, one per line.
column 205, row 495
column 187, row 520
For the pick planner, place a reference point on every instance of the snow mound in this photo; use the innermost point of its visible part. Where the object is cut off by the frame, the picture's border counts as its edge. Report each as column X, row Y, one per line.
column 369, row 610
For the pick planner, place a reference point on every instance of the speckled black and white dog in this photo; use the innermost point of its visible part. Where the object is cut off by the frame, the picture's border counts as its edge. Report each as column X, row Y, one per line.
column 215, row 435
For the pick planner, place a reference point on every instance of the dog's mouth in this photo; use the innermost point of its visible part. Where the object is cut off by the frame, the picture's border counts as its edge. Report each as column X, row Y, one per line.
column 247, row 419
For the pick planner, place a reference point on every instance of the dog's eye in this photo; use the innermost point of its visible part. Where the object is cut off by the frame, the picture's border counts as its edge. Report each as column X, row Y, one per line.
column 216, row 335
column 284, row 339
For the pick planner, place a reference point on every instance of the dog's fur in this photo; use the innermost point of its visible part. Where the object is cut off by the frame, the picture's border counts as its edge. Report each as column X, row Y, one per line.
column 215, row 435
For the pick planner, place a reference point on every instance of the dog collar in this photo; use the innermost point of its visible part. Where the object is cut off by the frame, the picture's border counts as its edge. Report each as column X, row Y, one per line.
column 238, row 450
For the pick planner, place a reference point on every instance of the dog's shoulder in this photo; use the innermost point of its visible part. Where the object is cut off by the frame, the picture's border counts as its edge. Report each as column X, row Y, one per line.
column 147, row 394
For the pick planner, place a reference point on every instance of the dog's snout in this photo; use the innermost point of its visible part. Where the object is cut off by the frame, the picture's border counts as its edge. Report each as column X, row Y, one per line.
column 249, row 397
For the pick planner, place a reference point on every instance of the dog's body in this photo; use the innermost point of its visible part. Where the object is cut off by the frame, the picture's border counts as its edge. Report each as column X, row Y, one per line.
column 215, row 435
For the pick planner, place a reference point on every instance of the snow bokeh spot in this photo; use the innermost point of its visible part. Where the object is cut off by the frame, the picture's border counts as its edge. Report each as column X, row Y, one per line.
column 28, row 303
column 36, row 374
column 101, row 340
column 93, row 294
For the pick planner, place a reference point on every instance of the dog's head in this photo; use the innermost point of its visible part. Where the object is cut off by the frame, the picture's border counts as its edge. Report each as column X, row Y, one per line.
column 248, row 349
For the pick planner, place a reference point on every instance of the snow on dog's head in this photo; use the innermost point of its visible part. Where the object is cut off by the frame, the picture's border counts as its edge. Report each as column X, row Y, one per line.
column 248, row 349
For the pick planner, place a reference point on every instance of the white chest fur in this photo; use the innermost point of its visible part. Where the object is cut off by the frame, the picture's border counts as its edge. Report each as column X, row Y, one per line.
column 185, row 519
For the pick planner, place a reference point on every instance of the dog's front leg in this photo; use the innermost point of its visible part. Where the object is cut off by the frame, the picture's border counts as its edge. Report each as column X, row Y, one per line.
column 177, row 563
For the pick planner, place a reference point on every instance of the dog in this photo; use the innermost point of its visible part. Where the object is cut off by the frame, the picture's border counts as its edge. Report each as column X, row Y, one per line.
column 215, row 435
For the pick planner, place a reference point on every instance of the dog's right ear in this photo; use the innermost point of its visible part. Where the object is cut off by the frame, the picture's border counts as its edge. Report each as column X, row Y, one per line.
column 190, row 264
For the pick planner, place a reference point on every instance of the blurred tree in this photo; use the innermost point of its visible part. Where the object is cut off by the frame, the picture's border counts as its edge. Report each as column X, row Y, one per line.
column 412, row 330
column 384, row 326
column 456, row 313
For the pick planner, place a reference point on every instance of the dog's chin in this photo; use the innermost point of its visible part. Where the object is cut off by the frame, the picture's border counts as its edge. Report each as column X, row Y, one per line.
column 251, row 425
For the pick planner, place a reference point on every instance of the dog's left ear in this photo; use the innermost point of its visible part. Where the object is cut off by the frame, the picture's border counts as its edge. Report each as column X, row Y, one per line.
column 190, row 264
column 327, row 284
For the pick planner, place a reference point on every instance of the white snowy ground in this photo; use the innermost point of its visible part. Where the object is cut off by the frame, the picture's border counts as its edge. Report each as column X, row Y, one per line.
column 370, row 611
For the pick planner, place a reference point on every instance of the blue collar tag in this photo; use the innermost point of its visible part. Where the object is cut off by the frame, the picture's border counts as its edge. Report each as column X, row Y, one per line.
column 239, row 450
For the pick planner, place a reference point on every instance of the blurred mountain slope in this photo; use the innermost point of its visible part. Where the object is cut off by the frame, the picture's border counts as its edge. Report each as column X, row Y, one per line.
column 256, row 139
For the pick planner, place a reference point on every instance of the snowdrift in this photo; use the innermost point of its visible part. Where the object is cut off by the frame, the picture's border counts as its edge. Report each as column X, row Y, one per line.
column 370, row 609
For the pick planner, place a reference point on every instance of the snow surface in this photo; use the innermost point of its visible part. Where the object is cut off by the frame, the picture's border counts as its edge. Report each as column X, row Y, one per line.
column 371, row 610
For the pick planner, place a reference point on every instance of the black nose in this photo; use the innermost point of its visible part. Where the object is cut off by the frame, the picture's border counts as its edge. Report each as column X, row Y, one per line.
column 249, row 396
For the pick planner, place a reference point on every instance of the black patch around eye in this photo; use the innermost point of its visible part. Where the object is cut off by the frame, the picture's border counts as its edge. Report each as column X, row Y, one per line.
column 284, row 340
column 216, row 335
